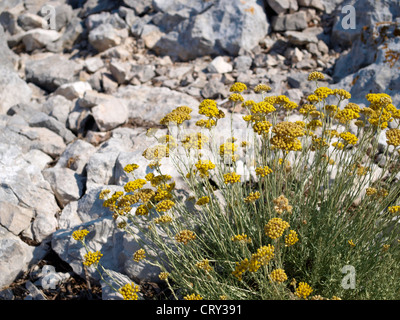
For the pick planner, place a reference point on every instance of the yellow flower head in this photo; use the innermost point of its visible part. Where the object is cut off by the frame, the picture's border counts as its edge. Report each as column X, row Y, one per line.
column 303, row 290
column 231, row 178
column 263, row 171
column 393, row 137
column 129, row 291
column 238, row 87
column 236, row 97
column 79, row 235
column 163, row 275
column 139, row 255
column 134, row 185
column 253, row 196
column 241, row 238
column 130, row 167
column 204, row 265
column 342, row 94
column 193, row 297
column 209, row 108
column 262, row 88
column 282, row 204
column 275, row 227
column 349, row 137
column 203, row 200
column 185, row 236
column 261, row 258
column 394, row 209
column 164, row 205
column 291, row 238
column 92, row 258
column 315, row 76
column 278, row 275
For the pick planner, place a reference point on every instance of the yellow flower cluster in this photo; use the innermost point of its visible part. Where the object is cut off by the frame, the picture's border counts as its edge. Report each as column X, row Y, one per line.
column 110, row 202
column 393, row 137
column 193, row 297
column 164, row 205
column 241, row 267
column 394, row 209
column 282, row 204
column 139, row 255
column 338, row 145
column 142, row 210
column 278, row 275
column 163, row 219
column 235, row 97
column 206, row 123
column 185, row 236
column 163, row 193
column 134, row 185
column 209, row 108
column 303, row 290
column 262, row 88
column 261, row 258
column 228, row 149
column 382, row 109
column 104, row 193
column 318, row 143
column 92, row 258
column 163, row 275
column 177, row 116
column 204, row 265
column 130, row 167
column 156, row 152
column 232, row 177
column 307, row 108
column 203, row 200
column 262, row 107
column 315, row 75
column 253, row 196
column 79, row 235
column 263, row 171
column 349, row 137
column 195, row 141
column 203, row 166
column 286, row 134
column 275, row 228
column 346, row 115
column 351, row 243
column 342, row 94
column 262, row 127
column 238, row 87
column 129, row 291
column 291, row 238
column 242, row 238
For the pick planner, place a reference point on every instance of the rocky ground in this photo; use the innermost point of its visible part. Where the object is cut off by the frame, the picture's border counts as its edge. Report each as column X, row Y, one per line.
column 79, row 89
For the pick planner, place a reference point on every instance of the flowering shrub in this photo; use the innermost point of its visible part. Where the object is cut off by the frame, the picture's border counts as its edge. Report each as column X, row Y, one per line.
column 307, row 200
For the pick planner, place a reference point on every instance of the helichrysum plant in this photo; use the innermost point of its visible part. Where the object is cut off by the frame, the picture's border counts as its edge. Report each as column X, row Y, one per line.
column 277, row 212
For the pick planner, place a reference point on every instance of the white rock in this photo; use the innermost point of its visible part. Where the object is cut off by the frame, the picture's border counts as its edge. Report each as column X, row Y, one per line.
column 110, row 114
column 15, row 256
column 66, row 184
column 219, row 65
column 93, row 64
column 15, row 218
column 73, row 90
column 39, row 38
column 43, row 227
